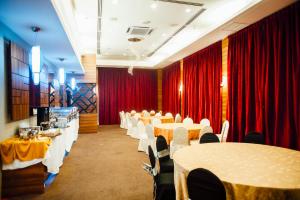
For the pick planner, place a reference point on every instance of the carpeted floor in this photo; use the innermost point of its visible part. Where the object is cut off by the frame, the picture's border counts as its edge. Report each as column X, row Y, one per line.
column 104, row 166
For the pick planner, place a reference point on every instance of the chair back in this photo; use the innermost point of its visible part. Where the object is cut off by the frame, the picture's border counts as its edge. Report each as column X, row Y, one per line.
column 146, row 114
column 155, row 121
column 168, row 114
column 150, row 132
column 203, row 184
column 205, row 129
column 152, row 162
column 158, row 115
column 224, row 132
column 181, row 136
column 141, row 127
column 188, row 121
column 209, row 138
column 134, row 122
column 204, row 122
column 162, row 149
column 133, row 112
column 254, row 137
column 177, row 118
column 152, row 112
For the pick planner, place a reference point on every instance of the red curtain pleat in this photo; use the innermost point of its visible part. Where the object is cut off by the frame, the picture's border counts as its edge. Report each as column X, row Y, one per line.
column 264, row 79
column 119, row 91
column 202, row 75
column 170, row 88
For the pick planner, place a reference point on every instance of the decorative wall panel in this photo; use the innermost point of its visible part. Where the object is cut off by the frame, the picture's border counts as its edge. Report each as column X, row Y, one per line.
column 84, row 97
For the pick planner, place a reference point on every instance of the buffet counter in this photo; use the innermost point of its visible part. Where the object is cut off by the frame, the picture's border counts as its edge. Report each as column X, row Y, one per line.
column 23, row 159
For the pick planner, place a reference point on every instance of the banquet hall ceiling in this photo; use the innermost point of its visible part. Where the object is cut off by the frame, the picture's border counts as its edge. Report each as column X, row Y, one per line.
column 164, row 28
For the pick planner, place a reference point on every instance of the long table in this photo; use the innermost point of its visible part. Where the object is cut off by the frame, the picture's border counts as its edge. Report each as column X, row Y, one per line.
column 26, row 171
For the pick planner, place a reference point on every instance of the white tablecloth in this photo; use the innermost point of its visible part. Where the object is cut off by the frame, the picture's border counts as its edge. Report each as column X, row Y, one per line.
column 248, row 171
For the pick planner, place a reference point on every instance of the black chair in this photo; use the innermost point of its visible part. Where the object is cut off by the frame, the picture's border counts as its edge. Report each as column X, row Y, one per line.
column 209, row 138
column 255, row 138
column 166, row 164
column 164, row 188
column 203, row 184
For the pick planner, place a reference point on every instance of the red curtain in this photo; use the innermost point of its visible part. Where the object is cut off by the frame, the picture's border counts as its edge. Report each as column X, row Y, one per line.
column 264, row 79
column 119, row 91
column 170, row 88
column 202, row 75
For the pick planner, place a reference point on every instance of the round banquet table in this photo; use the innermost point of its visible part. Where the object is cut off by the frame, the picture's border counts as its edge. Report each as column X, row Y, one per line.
column 164, row 119
column 167, row 129
column 248, row 171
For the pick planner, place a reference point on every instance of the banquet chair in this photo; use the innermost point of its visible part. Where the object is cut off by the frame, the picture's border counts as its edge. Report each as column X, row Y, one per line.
column 146, row 114
column 206, row 129
column 158, row 114
column 149, row 140
column 134, row 128
column 254, row 137
column 209, row 138
column 177, row 118
column 224, row 132
column 180, row 139
column 203, row 184
column 166, row 164
column 168, row 114
column 204, row 122
column 163, row 187
column 128, row 122
column 137, row 115
column 132, row 112
column 155, row 121
column 152, row 112
column 122, row 119
column 188, row 121
column 141, row 130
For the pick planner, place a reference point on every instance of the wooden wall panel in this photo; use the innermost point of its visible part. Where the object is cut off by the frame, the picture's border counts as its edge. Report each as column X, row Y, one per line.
column 159, row 89
column 89, row 64
column 18, row 82
column 224, row 73
column 88, row 123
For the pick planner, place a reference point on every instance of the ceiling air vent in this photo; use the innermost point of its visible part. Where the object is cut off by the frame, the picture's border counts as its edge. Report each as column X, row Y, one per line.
column 139, row 30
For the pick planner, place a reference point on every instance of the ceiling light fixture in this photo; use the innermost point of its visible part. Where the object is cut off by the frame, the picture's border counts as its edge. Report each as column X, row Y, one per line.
column 115, row 2
column 61, row 73
column 153, row 6
column 188, row 10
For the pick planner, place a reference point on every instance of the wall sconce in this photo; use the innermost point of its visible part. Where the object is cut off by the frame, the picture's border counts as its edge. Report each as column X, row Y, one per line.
column 180, row 88
column 61, row 76
column 224, row 81
column 36, row 58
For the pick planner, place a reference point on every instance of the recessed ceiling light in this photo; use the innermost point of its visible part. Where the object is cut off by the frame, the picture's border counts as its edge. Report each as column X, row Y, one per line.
column 153, row 5
column 146, row 22
column 188, row 10
column 115, row 2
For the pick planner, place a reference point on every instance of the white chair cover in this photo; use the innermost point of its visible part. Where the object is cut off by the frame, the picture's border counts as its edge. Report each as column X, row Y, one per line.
column 146, row 114
column 122, row 119
column 149, row 140
column 180, row 139
column 141, row 130
column 152, row 112
column 137, row 115
column 225, row 127
column 168, row 114
column 155, row 121
column 188, row 121
column 177, row 118
column 129, row 124
column 133, row 112
column 204, row 122
column 206, row 129
column 134, row 128
column 158, row 114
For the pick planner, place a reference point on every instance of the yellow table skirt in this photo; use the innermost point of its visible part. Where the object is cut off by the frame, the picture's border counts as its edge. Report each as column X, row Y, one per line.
column 23, row 150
